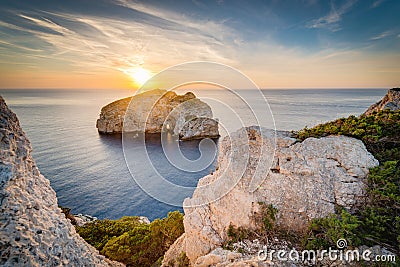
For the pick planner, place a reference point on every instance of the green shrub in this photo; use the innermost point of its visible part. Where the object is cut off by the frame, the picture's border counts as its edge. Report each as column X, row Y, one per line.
column 268, row 215
column 133, row 243
column 145, row 243
column 381, row 215
column 236, row 234
column 380, row 132
column 325, row 232
column 181, row 261
column 99, row 232
column 266, row 223
column 378, row 221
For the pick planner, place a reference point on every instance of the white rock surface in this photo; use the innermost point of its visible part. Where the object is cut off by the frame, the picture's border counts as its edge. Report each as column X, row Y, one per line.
column 82, row 219
column 390, row 101
column 159, row 110
column 305, row 180
column 33, row 231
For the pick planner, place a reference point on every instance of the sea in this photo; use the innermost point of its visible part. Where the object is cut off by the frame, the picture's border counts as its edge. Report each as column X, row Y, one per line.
column 89, row 171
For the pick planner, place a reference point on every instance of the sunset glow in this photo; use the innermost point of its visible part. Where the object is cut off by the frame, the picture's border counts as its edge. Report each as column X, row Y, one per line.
column 278, row 44
column 139, row 75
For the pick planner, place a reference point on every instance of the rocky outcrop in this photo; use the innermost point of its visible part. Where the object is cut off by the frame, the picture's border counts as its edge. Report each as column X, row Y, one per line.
column 390, row 101
column 175, row 252
column 306, row 180
column 159, row 110
column 33, row 230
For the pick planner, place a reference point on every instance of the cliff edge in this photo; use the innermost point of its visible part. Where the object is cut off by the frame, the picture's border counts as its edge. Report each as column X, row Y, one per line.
column 159, row 110
column 33, row 230
column 306, row 180
column 390, row 101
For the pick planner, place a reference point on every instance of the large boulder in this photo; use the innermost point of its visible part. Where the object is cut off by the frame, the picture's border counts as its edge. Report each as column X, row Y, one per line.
column 33, row 230
column 159, row 110
column 303, row 180
column 390, row 101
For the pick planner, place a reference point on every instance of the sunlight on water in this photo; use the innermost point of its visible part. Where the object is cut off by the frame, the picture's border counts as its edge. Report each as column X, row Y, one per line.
column 88, row 171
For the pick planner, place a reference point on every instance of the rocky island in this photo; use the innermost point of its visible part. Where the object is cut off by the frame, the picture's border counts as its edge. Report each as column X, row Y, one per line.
column 315, row 192
column 159, row 110
column 336, row 180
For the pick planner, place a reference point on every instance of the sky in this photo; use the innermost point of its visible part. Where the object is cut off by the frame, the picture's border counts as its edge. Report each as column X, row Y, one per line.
column 276, row 43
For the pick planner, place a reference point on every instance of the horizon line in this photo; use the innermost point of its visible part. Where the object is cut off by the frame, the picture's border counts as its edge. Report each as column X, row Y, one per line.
column 275, row 88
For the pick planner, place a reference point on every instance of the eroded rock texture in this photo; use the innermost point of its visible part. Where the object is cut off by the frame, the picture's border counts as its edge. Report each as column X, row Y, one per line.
column 33, row 231
column 159, row 110
column 303, row 180
column 390, row 101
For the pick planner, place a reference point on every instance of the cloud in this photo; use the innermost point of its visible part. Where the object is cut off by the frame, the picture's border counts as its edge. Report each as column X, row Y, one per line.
column 97, row 45
column 331, row 21
column 382, row 35
column 94, row 42
column 13, row 45
column 377, row 3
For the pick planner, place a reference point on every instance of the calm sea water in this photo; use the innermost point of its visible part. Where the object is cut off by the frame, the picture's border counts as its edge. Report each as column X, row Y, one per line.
column 88, row 171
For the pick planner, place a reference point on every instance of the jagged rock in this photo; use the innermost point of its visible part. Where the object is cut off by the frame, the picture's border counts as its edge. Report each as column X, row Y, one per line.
column 306, row 180
column 33, row 230
column 159, row 110
column 390, row 101
column 217, row 256
column 82, row 219
column 175, row 251
column 220, row 257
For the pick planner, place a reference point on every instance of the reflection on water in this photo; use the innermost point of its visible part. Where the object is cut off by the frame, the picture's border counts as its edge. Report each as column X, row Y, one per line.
column 166, row 168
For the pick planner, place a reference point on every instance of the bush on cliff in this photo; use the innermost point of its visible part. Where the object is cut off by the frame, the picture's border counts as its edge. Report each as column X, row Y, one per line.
column 131, row 242
column 380, row 132
column 99, row 232
column 377, row 222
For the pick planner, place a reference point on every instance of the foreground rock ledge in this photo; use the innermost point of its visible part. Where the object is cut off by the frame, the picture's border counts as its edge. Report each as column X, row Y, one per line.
column 33, row 231
column 306, row 180
column 185, row 115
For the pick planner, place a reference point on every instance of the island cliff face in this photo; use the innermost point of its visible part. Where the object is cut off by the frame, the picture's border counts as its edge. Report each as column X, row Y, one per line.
column 390, row 101
column 306, row 180
column 159, row 110
column 33, row 230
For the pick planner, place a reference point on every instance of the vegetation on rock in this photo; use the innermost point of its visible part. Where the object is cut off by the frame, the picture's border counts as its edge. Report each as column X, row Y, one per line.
column 378, row 221
column 181, row 261
column 266, row 217
column 134, row 243
column 68, row 214
column 375, row 223
column 379, row 131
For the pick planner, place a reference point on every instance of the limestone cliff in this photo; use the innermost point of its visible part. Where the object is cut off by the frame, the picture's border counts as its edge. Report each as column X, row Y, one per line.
column 33, row 231
column 306, row 180
column 390, row 101
column 159, row 110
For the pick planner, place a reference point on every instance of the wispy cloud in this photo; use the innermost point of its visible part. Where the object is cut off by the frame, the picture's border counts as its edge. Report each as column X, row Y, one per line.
column 120, row 44
column 103, row 44
column 377, row 3
column 382, row 35
column 13, row 45
column 331, row 21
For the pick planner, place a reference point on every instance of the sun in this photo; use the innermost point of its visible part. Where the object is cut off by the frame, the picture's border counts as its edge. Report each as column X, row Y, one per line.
column 139, row 75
